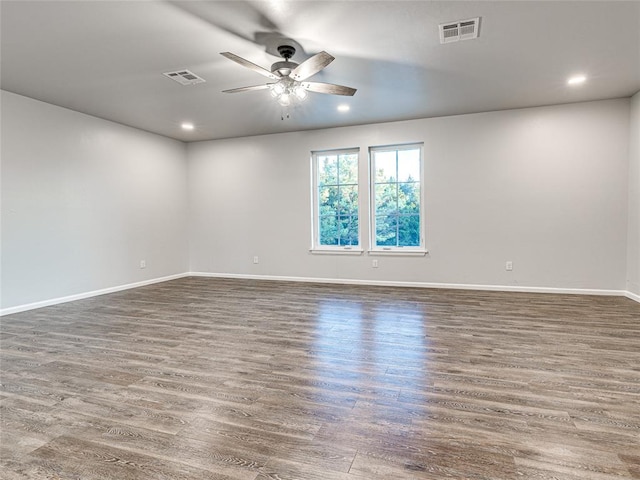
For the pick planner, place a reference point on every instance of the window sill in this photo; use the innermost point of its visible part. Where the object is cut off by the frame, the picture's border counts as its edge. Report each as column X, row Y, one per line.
column 399, row 252
column 336, row 251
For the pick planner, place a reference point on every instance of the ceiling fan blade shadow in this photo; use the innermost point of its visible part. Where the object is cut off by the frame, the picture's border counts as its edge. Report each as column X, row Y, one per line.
column 240, row 19
column 272, row 40
column 311, row 66
column 329, row 88
column 248, row 89
column 250, row 65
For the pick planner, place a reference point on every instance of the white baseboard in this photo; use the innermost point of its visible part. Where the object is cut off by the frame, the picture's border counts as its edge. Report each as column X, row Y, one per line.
column 94, row 293
column 632, row 296
column 390, row 283
column 344, row 281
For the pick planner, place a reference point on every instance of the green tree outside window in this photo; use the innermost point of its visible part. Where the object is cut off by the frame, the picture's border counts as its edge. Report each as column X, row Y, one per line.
column 337, row 180
column 397, row 197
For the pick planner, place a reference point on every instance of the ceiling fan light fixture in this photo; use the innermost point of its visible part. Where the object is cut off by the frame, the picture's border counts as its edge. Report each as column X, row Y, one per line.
column 287, row 90
column 277, row 89
column 300, row 92
column 284, row 99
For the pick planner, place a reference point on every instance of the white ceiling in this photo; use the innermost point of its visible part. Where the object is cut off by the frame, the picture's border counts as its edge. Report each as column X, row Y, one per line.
column 106, row 58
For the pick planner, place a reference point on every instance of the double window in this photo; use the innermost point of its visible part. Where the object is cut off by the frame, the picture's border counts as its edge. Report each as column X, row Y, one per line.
column 396, row 207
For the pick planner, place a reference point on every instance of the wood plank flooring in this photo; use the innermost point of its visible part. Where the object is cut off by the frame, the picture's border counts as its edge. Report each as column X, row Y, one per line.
column 243, row 380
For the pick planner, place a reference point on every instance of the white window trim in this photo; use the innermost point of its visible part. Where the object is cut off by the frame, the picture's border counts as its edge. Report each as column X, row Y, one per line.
column 400, row 252
column 337, row 251
column 316, row 248
column 419, row 251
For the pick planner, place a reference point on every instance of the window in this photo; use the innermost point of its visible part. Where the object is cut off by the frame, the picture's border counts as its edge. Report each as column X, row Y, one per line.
column 335, row 185
column 397, row 211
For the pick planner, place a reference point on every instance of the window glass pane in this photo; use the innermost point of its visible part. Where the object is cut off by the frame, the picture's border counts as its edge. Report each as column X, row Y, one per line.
column 409, row 165
column 396, row 178
column 348, row 169
column 385, row 165
column 348, row 229
column 409, row 198
column 328, row 230
column 336, row 198
column 386, row 198
column 328, row 200
column 386, row 230
column 348, row 200
column 409, row 230
column 327, row 170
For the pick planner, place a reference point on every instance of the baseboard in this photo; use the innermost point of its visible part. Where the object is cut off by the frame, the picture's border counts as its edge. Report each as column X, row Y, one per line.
column 94, row 293
column 390, row 283
column 344, row 281
column 632, row 296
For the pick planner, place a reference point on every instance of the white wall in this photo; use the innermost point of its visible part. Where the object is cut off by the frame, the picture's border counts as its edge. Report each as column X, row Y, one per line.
column 543, row 187
column 83, row 201
column 633, row 234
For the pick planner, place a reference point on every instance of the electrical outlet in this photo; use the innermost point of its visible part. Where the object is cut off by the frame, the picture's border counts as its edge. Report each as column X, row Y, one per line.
column 508, row 266
column 255, row 259
column 374, row 263
column 143, row 264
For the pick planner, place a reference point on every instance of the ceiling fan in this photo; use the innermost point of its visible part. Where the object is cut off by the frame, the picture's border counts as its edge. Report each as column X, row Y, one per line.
column 289, row 77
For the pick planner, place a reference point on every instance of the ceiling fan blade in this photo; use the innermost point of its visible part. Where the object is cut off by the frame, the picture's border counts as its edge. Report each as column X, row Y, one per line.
column 329, row 88
column 311, row 66
column 250, row 65
column 248, row 89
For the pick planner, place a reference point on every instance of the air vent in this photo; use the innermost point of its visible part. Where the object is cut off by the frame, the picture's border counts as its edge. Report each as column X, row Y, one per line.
column 460, row 30
column 184, row 77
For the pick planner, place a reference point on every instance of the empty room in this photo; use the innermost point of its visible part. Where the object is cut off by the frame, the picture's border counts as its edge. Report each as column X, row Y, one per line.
column 320, row 240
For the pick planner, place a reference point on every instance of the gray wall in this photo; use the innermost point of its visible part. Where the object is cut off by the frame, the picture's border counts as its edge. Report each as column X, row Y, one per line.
column 633, row 234
column 555, row 189
column 83, row 201
column 543, row 187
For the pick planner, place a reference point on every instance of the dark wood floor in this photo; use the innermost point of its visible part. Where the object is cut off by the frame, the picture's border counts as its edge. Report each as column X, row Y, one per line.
column 231, row 379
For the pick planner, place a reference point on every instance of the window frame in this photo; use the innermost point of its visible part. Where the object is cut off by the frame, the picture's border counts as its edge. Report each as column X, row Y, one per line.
column 316, row 247
column 419, row 250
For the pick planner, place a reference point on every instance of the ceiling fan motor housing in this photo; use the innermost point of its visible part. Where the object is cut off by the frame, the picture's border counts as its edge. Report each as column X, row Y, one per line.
column 283, row 68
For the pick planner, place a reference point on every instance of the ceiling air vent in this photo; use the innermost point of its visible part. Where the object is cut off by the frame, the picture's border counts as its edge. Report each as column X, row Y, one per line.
column 460, row 30
column 184, row 77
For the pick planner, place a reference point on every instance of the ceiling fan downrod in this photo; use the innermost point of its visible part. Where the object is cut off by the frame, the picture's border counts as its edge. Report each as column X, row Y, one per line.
column 286, row 51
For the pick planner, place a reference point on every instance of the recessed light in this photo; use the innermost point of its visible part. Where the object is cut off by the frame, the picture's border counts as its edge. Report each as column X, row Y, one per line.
column 187, row 126
column 577, row 80
column 344, row 108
